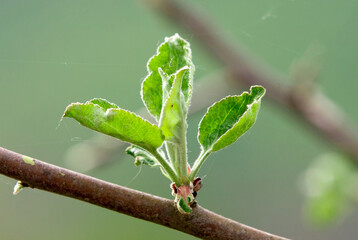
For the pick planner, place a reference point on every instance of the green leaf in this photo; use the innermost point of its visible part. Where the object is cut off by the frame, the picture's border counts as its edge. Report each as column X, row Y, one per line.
column 173, row 54
column 229, row 119
column 172, row 118
column 142, row 157
column 116, row 122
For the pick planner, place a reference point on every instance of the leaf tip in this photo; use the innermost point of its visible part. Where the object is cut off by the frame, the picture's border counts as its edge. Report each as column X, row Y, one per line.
column 258, row 90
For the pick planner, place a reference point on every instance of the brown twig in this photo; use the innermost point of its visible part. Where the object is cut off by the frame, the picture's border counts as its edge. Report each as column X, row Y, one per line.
column 316, row 113
column 200, row 223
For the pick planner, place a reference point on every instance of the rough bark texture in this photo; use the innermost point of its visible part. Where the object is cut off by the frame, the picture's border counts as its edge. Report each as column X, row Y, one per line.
column 200, row 223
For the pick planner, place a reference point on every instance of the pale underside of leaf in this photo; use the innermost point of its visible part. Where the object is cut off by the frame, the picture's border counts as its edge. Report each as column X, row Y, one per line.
column 173, row 111
column 173, row 54
column 229, row 119
column 116, row 122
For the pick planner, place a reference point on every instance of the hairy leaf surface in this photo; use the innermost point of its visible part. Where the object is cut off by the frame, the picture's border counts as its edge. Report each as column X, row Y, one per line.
column 173, row 54
column 116, row 122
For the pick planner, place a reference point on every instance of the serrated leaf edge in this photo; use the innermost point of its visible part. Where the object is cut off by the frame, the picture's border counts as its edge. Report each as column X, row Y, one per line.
column 248, row 108
column 221, row 100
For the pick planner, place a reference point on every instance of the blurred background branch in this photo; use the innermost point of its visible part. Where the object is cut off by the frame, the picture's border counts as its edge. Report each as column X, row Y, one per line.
column 298, row 94
column 312, row 107
column 55, row 53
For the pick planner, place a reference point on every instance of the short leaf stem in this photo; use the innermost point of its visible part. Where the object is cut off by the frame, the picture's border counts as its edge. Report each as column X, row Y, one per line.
column 197, row 164
column 177, row 152
column 166, row 166
column 183, row 158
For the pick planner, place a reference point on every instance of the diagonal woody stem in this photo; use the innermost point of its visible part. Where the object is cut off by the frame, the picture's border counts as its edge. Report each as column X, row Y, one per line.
column 201, row 223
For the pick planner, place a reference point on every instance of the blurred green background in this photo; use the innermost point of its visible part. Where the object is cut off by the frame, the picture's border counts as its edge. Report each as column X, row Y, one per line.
column 53, row 53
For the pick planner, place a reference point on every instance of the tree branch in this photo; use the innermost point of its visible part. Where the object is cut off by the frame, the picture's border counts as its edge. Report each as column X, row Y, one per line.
column 313, row 110
column 201, row 223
